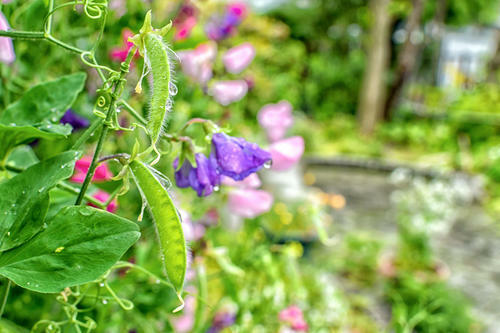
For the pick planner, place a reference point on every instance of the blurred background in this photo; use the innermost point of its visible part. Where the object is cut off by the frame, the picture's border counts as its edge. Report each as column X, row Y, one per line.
column 380, row 211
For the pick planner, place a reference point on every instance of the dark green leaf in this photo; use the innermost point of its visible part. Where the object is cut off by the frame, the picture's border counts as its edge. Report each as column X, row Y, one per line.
column 24, row 198
column 12, row 136
column 44, row 103
column 80, row 244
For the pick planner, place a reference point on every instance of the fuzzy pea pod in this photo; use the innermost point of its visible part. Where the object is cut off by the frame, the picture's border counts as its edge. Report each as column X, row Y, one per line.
column 157, row 57
column 168, row 223
column 149, row 42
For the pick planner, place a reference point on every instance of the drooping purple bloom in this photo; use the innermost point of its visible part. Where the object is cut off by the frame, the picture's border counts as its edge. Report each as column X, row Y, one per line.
column 7, row 54
column 76, row 121
column 236, row 157
column 221, row 320
column 203, row 179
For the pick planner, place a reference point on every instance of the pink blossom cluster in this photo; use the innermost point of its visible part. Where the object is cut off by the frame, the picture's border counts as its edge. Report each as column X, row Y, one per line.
column 294, row 317
column 276, row 119
column 102, row 174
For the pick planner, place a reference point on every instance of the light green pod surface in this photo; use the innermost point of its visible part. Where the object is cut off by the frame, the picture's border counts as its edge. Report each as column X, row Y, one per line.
column 167, row 220
column 157, row 56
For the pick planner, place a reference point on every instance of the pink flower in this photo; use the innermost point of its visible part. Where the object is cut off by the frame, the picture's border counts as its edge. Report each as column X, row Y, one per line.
column 294, row 317
column 276, row 119
column 227, row 92
column 7, row 54
column 249, row 203
column 251, row 181
column 101, row 173
column 238, row 9
column 120, row 53
column 238, row 58
column 103, row 196
column 119, row 7
column 183, row 29
column 286, row 153
column 198, row 63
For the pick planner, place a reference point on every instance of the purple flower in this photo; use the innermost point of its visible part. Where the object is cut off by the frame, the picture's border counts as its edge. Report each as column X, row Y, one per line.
column 203, row 179
column 76, row 121
column 7, row 54
column 236, row 157
column 221, row 321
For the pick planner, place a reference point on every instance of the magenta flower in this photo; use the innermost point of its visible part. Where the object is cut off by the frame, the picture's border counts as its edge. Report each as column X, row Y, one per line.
column 103, row 196
column 76, row 121
column 238, row 9
column 276, row 119
column 198, row 63
column 183, row 30
column 120, row 53
column 294, row 317
column 7, row 54
column 203, row 179
column 227, row 92
column 251, row 181
column 238, row 58
column 249, row 203
column 82, row 166
column 286, row 153
column 236, row 157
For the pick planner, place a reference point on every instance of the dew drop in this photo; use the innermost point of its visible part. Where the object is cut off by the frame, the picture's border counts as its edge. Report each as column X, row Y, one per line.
column 104, row 301
column 268, row 164
column 172, row 89
column 157, row 281
column 101, row 284
column 8, row 233
column 216, row 188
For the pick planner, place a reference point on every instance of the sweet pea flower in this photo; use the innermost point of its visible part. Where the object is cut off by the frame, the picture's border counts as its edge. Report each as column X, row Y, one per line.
column 192, row 231
column 238, row 9
column 251, row 181
column 249, row 203
column 236, row 157
column 204, row 179
column 76, row 121
column 286, row 153
column 120, row 53
column 103, row 196
column 238, row 58
column 119, row 7
column 198, row 63
column 276, row 119
column 183, row 30
column 227, row 92
column 7, row 54
column 82, row 166
column 221, row 320
column 294, row 317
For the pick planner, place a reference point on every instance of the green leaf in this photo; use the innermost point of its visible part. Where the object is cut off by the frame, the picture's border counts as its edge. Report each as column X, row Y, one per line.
column 7, row 326
column 46, row 102
column 24, row 198
column 23, row 157
column 80, row 244
column 12, row 136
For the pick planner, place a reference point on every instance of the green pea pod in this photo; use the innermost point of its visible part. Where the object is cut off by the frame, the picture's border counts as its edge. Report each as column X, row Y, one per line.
column 168, row 223
column 158, row 62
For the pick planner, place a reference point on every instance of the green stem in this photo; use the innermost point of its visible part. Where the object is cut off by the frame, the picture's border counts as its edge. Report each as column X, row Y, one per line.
column 38, row 35
column 49, row 19
column 5, row 297
column 105, row 128
column 22, row 34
